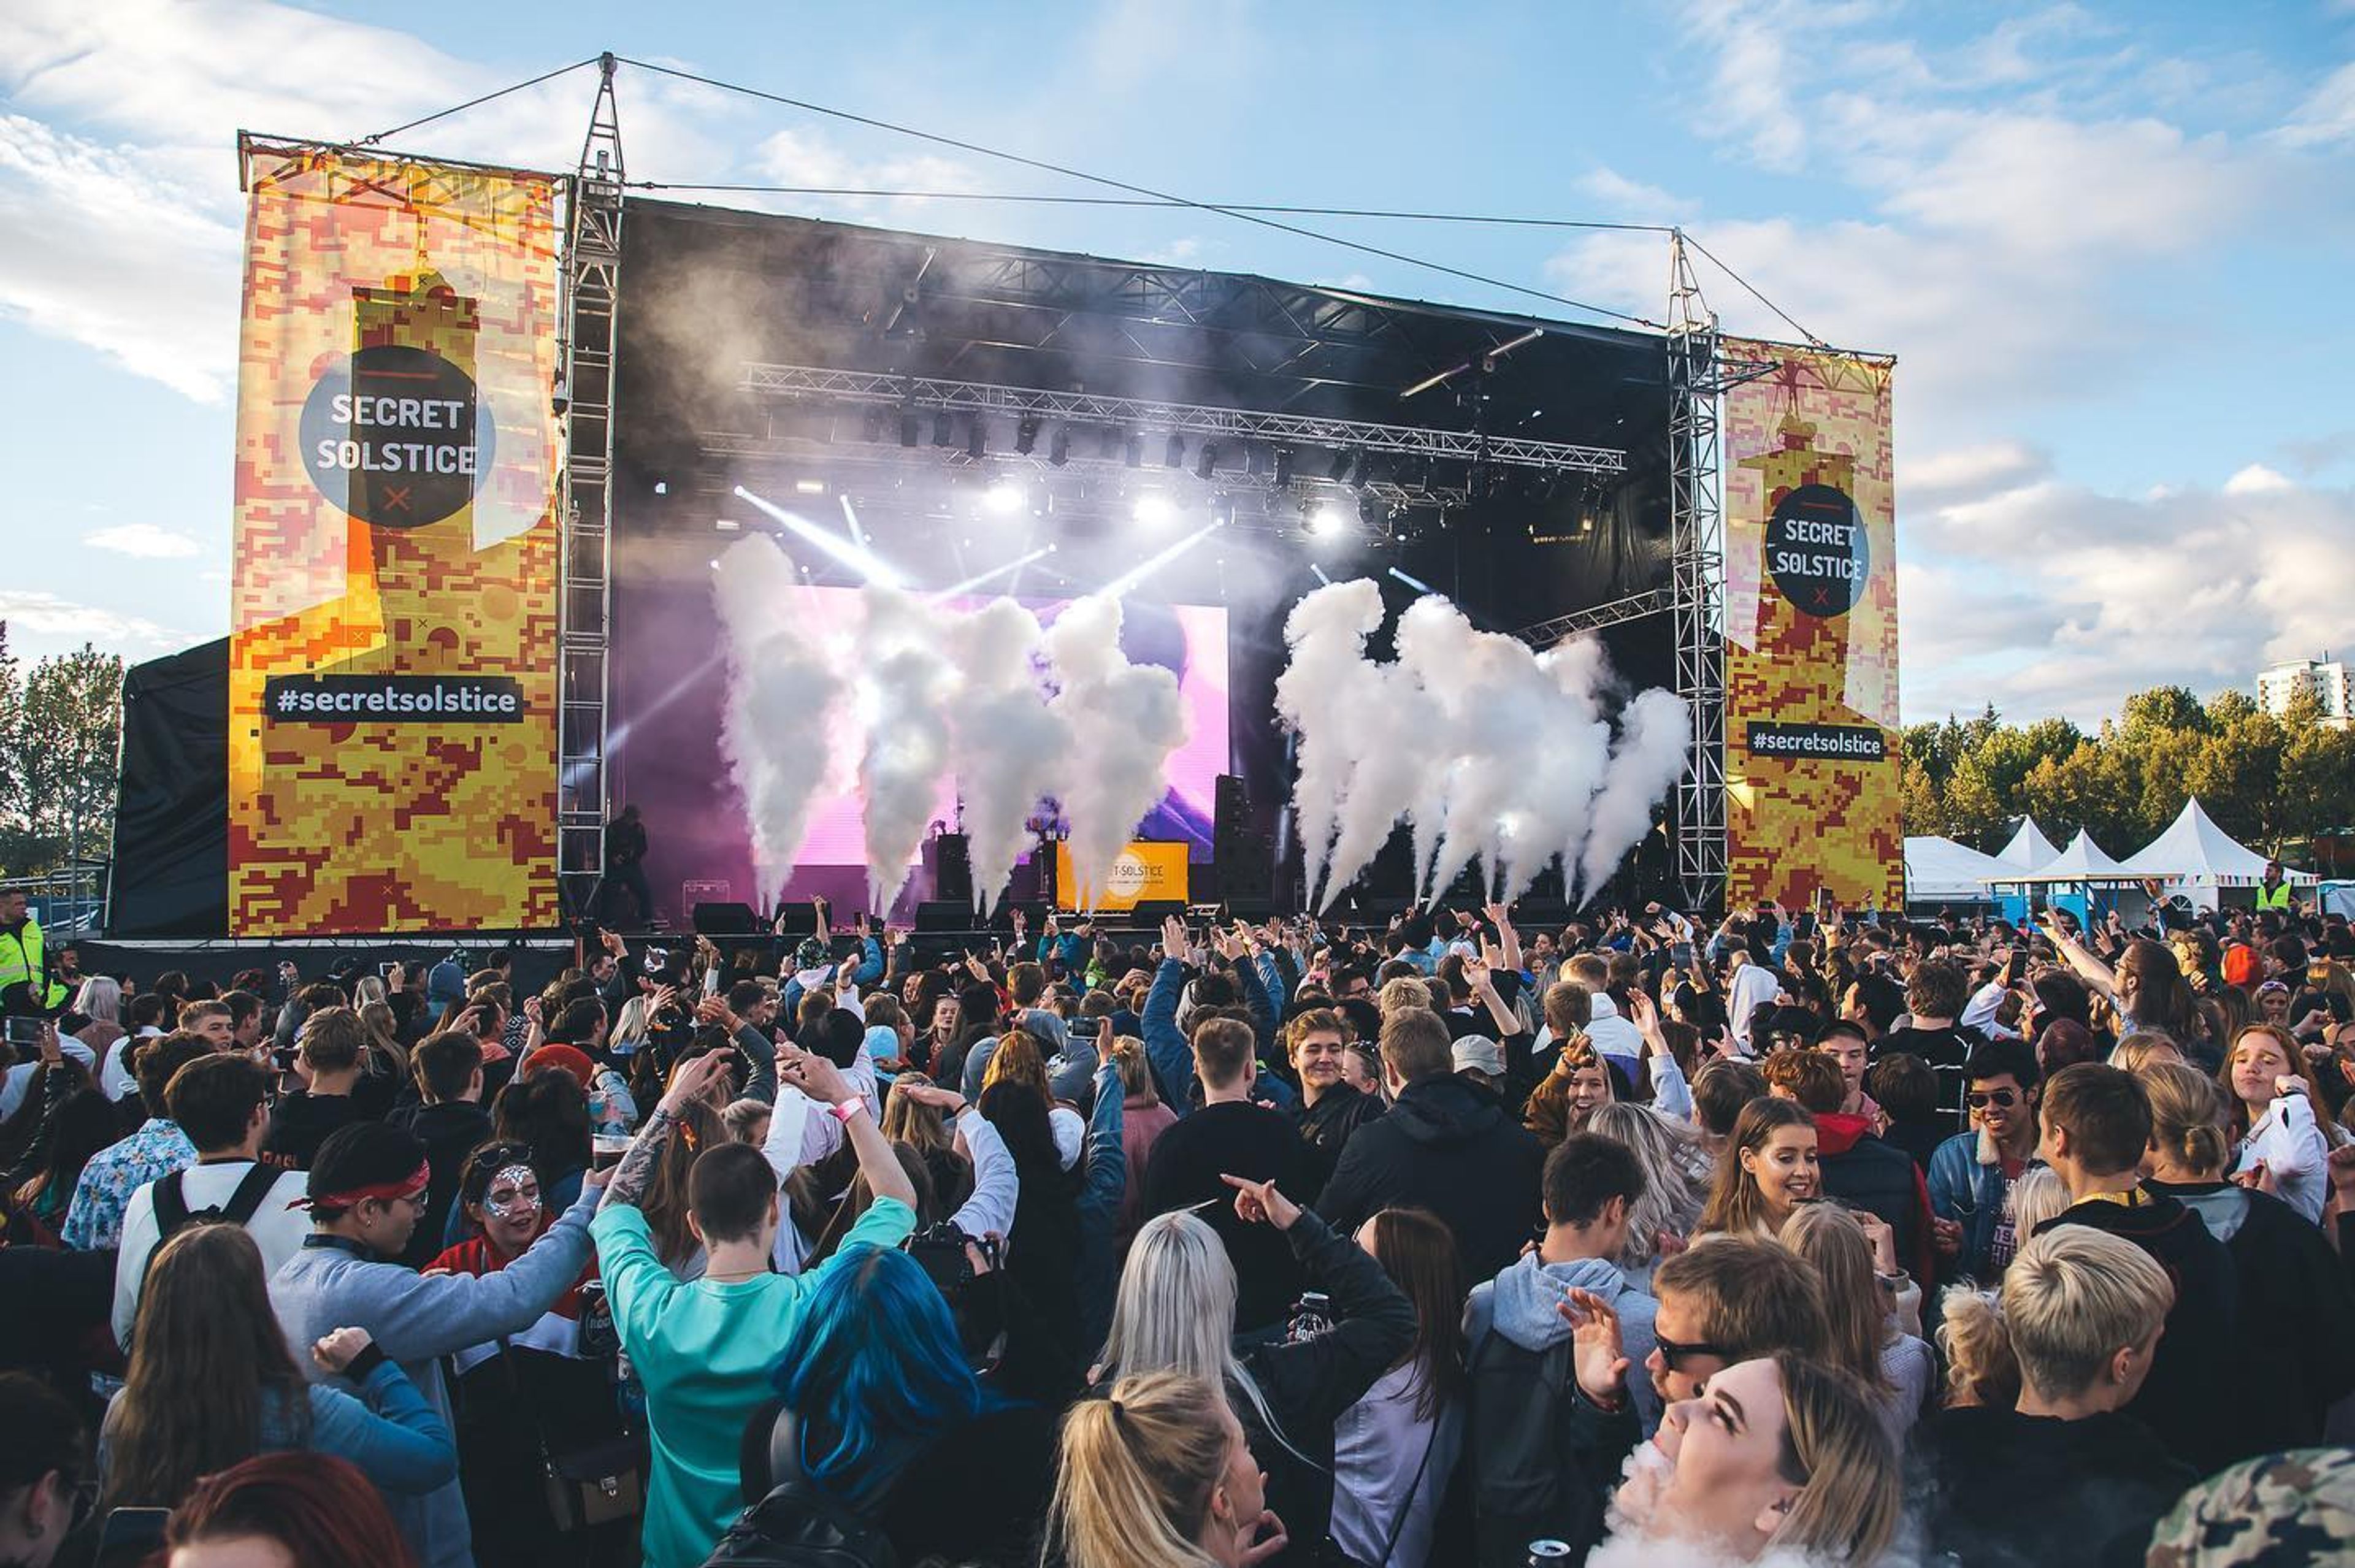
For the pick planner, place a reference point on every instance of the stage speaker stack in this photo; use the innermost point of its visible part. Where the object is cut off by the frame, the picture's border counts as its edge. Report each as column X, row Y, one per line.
column 951, row 857
column 1245, row 859
column 725, row 920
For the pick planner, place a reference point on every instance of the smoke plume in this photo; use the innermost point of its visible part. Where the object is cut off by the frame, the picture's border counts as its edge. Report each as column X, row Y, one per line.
column 906, row 689
column 1486, row 749
column 1326, row 632
column 780, row 699
column 1648, row 759
column 1008, row 748
column 1124, row 719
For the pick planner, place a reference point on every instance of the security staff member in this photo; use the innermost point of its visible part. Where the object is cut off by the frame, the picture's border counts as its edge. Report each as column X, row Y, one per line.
column 2274, row 892
column 26, row 987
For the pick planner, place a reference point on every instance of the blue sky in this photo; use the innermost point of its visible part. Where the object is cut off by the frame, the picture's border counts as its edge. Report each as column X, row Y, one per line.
column 2109, row 244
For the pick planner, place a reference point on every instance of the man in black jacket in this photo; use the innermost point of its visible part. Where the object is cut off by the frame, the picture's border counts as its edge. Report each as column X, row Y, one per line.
column 1330, row 1110
column 451, row 1124
column 2066, row 1478
column 1445, row 1146
column 2096, row 1121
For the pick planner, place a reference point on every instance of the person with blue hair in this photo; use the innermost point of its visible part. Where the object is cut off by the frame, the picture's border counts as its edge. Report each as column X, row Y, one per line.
column 889, row 1423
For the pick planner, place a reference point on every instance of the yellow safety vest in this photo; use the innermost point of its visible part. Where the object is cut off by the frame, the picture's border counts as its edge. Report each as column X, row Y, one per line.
column 21, row 964
column 2276, row 898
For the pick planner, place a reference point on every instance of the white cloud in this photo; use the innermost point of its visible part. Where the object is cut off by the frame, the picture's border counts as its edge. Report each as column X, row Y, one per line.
column 145, row 541
column 1750, row 102
column 1963, row 474
column 804, row 157
column 2328, row 114
column 2059, row 600
column 54, row 625
column 1632, row 199
column 2257, row 479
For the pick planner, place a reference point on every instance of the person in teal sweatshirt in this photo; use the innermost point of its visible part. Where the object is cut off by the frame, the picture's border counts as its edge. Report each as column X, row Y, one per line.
column 705, row 1350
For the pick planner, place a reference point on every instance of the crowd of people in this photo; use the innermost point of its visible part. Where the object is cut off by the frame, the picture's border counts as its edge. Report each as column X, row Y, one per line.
column 1803, row 1235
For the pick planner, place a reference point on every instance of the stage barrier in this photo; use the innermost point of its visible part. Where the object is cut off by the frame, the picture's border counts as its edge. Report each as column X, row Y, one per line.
column 1812, row 745
column 392, row 665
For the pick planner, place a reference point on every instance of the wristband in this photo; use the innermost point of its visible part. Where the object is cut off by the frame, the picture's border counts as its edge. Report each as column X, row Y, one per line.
column 847, row 1109
column 371, row 1357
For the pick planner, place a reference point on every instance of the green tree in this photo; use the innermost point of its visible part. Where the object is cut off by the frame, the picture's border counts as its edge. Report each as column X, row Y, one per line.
column 57, row 757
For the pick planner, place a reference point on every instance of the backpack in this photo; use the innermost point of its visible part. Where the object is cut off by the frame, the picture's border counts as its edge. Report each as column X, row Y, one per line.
column 797, row 1525
column 172, row 1214
column 1522, row 1438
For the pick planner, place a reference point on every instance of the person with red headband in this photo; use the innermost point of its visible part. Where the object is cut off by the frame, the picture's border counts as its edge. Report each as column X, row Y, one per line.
column 366, row 1190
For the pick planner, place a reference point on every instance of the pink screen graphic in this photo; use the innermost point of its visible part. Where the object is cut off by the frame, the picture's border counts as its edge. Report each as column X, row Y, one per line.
column 1190, row 638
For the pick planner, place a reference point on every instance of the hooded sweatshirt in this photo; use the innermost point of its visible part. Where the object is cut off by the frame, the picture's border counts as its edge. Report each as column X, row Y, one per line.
column 2191, row 1385
column 1860, row 1169
column 2290, row 1282
column 1520, row 1304
column 1448, row 1146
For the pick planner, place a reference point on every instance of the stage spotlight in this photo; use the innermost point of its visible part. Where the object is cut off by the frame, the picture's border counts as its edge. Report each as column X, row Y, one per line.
column 1004, row 498
column 850, row 515
column 726, row 524
column 909, row 432
column 1414, row 582
column 864, row 561
column 1153, row 511
column 1173, row 455
column 1328, row 521
column 662, row 487
column 809, row 486
column 1320, row 574
column 1207, row 464
column 1059, row 450
column 1025, row 434
column 974, row 438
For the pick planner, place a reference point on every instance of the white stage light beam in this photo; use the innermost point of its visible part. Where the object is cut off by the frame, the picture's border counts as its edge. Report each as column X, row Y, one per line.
column 865, row 562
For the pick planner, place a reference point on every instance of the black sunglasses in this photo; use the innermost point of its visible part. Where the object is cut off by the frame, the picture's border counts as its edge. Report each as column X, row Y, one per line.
column 1671, row 1352
column 2002, row 1099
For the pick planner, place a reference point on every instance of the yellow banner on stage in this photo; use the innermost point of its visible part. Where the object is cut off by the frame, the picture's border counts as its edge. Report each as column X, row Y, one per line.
column 1812, row 746
column 392, row 656
column 1143, row 873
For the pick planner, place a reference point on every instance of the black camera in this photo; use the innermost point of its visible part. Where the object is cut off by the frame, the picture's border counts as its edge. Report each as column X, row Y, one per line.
column 1085, row 1028
column 939, row 1251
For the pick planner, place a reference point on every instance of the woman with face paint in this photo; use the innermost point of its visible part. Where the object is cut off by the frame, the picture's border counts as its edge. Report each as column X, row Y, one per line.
column 527, row 1395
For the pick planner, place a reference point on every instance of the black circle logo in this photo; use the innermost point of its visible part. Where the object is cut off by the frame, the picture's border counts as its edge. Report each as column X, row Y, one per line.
column 1818, row 550
column 397, row 436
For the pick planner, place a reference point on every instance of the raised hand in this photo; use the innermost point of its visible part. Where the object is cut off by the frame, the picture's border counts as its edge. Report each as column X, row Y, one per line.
column 1258, row 1202
column 694, row 1079
column 816, row 1076
column 1595, row 1353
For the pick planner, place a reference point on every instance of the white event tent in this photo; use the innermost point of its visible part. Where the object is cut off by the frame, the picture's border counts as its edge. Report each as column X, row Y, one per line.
column 2197, row 859
column 1940, row 871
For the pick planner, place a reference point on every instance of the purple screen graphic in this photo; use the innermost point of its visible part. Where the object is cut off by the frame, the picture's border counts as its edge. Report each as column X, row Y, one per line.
column 667, row 760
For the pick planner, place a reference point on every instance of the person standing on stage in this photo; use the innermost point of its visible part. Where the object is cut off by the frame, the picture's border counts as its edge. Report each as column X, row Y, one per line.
column 625, row 855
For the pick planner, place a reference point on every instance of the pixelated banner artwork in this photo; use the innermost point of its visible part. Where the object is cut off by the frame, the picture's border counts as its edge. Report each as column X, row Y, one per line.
column 1811, row 749
column 392, row 664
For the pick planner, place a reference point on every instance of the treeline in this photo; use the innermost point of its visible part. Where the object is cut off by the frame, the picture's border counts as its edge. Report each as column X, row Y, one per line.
column 2274, row 784
column 59, row 727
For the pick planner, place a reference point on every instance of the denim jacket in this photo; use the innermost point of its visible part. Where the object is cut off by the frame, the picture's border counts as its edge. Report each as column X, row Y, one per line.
column 1972, row 1194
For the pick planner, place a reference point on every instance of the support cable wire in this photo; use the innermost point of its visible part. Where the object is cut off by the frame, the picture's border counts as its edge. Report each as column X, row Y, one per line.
column 472, row 103
column 1153, row 202
column 1046, row 167
column 1812, row 340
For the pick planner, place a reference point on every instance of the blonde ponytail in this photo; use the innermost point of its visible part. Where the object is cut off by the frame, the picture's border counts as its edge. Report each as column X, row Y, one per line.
column 1135, row 1477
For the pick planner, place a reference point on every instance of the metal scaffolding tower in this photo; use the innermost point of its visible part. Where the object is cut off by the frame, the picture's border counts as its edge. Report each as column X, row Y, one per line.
column 1697, row 540
column 592, row 268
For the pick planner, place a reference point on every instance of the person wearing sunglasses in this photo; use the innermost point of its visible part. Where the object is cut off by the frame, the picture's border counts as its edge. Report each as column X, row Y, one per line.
column 1971, row 1174
column 1735, row 1299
